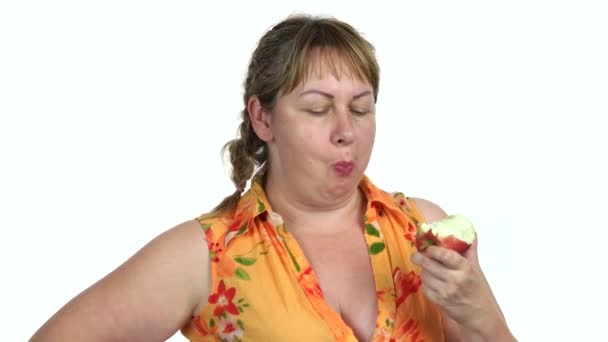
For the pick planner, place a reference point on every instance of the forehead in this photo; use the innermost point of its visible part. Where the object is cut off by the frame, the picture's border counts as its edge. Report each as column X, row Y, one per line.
column 331, row 72
column 330, row 63
column 330, row 86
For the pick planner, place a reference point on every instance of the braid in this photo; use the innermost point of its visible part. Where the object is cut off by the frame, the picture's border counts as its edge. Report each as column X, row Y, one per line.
column 246, row 152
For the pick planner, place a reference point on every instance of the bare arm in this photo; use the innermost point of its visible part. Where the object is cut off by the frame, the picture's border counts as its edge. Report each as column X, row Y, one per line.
column 148, row 298
column 453, row 332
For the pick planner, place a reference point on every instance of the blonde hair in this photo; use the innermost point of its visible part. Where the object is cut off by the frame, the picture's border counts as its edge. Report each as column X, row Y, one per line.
column 280, row 62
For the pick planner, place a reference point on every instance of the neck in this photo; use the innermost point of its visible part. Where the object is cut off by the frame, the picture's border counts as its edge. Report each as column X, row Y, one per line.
column 303, row 213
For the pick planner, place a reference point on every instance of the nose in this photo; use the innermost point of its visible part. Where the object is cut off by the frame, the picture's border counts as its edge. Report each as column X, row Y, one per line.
column 342, row 133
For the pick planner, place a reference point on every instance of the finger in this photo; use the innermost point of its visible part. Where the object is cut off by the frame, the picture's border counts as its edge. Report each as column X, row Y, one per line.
column 447, row 257
column 440, row 290
column 432, row 266
column 430, row 280
column 430, row 293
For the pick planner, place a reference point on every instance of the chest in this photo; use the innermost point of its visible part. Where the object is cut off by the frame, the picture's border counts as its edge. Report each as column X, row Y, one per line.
column 344, row 272
column 256, row 277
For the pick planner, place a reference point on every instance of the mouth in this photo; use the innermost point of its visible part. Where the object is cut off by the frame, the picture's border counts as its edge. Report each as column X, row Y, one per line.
column 344, row 168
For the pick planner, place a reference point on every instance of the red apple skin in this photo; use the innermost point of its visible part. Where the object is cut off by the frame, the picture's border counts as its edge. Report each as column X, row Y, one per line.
column 424, row 240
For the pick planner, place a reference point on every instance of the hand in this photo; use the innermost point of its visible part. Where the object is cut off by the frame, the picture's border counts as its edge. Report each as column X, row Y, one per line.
column 456, row 284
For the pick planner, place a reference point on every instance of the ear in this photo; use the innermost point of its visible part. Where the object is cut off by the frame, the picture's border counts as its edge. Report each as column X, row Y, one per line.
column 260, row 119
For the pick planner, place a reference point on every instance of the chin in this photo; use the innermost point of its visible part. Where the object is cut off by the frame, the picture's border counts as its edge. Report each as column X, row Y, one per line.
column 349, row 182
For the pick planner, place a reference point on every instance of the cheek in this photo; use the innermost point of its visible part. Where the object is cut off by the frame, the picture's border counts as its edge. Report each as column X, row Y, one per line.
column 367, row 133
column 314, row 140
column 302, row 138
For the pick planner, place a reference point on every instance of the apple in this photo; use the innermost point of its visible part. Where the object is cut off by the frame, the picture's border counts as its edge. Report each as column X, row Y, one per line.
column 455, row 232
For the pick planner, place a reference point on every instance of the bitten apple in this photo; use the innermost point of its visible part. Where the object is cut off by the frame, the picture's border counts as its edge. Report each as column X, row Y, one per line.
column 455, row 232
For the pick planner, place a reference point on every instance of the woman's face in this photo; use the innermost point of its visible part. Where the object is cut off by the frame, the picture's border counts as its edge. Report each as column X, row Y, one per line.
column 323, row 134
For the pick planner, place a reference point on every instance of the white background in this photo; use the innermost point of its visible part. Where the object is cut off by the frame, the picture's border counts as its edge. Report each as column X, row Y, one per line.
column 112, row 115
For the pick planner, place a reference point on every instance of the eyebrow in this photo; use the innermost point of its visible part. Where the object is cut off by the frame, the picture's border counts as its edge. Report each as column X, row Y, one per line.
column 328, row 95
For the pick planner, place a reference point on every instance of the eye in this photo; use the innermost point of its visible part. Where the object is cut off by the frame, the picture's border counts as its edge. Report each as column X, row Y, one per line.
column 318, row 112
column 359, row 111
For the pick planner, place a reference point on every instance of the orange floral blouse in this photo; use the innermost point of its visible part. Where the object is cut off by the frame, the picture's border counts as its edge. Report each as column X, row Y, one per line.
column 264, row 289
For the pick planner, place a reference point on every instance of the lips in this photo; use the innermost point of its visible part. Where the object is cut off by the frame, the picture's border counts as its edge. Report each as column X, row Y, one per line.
column 344, row 168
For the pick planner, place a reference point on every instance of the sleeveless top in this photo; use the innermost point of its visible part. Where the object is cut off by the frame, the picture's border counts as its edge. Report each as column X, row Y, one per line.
column 264, row 289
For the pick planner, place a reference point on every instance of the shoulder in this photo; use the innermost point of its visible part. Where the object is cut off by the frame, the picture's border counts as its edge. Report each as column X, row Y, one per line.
column 177, row 260
column 186, row 236
column 419, row 209
column 181, row 247
column 189, row 232
column 162, row 283
column 429, row 210
column 214, row 224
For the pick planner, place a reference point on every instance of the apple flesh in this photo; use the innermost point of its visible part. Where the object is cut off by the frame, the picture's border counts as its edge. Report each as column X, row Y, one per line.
column 455, row 232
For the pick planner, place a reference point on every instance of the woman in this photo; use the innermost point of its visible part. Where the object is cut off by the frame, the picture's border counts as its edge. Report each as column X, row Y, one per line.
column 313, row 251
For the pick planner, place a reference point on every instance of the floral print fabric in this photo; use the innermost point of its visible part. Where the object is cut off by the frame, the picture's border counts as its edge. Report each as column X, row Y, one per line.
column 264, row 289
